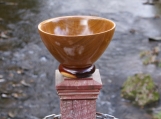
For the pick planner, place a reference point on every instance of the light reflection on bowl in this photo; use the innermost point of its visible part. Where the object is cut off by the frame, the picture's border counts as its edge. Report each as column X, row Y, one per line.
column 76, row 42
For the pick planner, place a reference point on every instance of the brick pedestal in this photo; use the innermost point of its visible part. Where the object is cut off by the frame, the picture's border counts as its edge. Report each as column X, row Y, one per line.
column 78, row 96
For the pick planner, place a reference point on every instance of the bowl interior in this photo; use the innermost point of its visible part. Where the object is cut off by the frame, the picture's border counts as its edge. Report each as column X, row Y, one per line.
column 76, row 26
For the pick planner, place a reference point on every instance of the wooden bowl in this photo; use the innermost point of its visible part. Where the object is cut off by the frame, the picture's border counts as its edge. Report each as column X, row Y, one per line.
column 76, row 42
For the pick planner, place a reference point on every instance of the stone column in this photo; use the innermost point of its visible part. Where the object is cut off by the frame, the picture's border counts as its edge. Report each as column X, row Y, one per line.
column 78, row 96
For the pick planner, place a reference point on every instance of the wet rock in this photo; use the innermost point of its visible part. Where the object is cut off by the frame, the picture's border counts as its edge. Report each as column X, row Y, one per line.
column 132, row 31
column 2, row 80
column 4, row 96
column 154, row 38
column 141, row 89
column 43, row 59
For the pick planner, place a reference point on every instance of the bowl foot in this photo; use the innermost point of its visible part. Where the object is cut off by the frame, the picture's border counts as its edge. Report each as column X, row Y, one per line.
column 75, row 72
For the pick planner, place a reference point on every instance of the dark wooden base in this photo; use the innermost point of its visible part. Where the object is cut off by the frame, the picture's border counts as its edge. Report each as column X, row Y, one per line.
column 75, row 72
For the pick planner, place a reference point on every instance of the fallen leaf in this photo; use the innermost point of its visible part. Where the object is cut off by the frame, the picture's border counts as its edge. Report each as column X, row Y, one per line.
column 15, row 95
column 153, row 59
column 12, row 114
column 25, row 84
column 156, row 50
column 19, row 95
column 3, row 35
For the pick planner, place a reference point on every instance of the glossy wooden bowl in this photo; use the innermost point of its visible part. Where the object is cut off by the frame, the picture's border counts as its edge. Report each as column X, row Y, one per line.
column 76, row 42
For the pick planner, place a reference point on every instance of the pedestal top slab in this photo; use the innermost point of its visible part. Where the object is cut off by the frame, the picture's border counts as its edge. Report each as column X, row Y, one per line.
column 92, row 82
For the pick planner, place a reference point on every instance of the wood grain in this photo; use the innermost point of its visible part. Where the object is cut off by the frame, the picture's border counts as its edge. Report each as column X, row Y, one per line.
column 76, row 41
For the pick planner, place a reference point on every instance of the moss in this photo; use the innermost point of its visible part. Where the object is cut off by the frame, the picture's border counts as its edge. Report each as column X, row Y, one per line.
column 157, row 116
column 160, row 64
column 141, row 89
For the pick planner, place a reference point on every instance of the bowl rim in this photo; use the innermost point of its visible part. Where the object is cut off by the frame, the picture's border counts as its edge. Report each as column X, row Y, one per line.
column 76, row 16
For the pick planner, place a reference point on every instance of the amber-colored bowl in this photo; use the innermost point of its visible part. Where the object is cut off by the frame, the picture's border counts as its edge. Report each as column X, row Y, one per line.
column 76, row 42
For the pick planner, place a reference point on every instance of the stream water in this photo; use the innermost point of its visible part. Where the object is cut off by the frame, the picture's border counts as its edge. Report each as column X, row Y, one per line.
column 27, row 68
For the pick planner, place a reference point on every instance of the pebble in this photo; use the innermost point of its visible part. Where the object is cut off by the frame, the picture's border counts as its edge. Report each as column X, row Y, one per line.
column 31, row 117
column 2, row 80
column 43, row 59
column 109, row 81
column 4, row 95
column 11, row 114
column 43, row 75
column 113, row 96
column 31, row 52
column 20, row 71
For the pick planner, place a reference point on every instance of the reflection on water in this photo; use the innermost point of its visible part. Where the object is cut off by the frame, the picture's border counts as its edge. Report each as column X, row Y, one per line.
column 135, row 7
column 22, row 19
column 12, row 11
column 18, row 18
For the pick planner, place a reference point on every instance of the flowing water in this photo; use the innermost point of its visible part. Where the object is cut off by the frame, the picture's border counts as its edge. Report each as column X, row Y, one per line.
column 27, row 68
